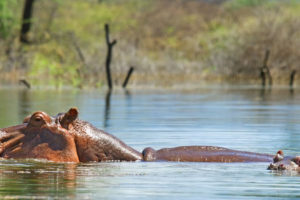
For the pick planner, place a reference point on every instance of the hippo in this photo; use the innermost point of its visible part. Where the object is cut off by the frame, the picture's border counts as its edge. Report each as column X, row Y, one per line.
column 281, row 162
column 65, row 138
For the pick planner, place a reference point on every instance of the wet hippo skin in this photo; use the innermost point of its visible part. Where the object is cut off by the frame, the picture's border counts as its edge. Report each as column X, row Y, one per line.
column 203, row 154
column 39, row 138
column 65, row 138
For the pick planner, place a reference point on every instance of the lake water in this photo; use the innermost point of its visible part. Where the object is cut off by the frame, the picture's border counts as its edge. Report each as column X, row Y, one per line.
column 244, row 118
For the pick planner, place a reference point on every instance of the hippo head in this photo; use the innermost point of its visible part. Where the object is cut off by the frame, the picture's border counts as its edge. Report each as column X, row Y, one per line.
column 281, row 162
column 41, row 136
column 62, row 138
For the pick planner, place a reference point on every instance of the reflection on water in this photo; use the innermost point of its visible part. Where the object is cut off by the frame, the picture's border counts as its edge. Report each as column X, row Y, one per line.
column 248, row 119
column 35, row 179
column 24, row 103
column 107, row 109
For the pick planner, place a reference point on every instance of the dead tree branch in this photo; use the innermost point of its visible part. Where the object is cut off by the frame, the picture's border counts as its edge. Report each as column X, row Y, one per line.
column 127, row 77
column 265, row 71
column 25, row 83
column 109, row 55
column 292, row 78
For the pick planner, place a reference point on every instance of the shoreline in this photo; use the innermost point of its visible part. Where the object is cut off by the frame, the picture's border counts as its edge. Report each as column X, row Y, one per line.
column 149, row 88
column 151, row 81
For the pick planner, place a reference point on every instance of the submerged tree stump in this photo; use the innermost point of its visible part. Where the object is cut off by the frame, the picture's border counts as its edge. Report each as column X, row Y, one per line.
column 292, row 78
column 265, row 71
column 25, row 83
column 127, row 77
column 263, row 77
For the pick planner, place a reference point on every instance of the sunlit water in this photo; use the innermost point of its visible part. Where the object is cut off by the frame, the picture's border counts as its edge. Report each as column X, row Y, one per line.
column 239, row 118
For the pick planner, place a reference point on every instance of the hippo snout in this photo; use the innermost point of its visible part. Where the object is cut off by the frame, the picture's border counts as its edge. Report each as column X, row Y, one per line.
column 292, row 166
column 149, row 154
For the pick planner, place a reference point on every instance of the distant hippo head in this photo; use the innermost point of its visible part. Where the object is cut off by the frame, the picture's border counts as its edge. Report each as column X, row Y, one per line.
column 40, row 136
column 281, row 162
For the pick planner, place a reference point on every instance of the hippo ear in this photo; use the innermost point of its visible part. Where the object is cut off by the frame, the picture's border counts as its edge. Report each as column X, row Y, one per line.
column 69, row 117
column 279, row 156
column 72, row 114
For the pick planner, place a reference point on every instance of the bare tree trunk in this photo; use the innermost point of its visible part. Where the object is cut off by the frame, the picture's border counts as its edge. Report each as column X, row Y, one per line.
column 25, row 82
column 267, row 54
column 128, row 77
column 78, row 49
column 263, row 77
column 26, row 20
column 292, row 77
column 109, row 55
column 265, row 71
column 80, row 69
column 269, row 76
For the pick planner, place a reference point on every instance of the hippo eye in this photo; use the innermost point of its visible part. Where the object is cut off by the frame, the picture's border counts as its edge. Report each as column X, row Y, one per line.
column 36, row 120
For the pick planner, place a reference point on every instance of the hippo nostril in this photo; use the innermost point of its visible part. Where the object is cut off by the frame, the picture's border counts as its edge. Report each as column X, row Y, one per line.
column 281, row 167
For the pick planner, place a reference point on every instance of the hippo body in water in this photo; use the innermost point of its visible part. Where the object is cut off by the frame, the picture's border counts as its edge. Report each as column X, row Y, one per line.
column 65, row 138
column 281, row 162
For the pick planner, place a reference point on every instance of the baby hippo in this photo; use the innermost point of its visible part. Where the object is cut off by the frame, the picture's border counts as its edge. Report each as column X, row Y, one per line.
column 281, row 162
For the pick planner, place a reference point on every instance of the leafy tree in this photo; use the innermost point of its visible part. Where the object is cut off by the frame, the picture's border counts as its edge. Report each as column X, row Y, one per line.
column 7, row 17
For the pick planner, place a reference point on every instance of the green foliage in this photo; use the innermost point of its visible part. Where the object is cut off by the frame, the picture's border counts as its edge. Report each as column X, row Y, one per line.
column 8, row 19
column 293, row 9
column 274, row 28
column 47, row 70
column 237, row 4
column 89, row 24
column 153, row 35
column 219, row 33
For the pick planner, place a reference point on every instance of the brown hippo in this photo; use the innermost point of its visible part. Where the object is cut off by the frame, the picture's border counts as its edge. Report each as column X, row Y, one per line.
column 65, row 138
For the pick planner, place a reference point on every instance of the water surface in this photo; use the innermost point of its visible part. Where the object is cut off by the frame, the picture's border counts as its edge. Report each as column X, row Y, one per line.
column 247, row 119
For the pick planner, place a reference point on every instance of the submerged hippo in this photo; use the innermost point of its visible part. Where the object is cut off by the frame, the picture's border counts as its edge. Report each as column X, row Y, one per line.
column 65, row 138
column 281, row 162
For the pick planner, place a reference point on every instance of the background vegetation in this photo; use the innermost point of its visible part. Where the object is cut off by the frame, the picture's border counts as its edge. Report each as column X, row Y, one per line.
column 169, row 42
